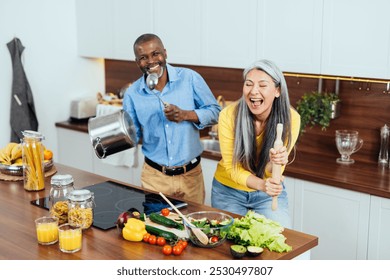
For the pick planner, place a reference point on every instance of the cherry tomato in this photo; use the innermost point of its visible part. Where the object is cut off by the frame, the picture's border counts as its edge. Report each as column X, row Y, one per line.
column 161, row 241
column 167, row 250
column 214, row 239
column 177, row 250
column 183, row 243
column 152, row 239
column 165, row 212
column 146, row 237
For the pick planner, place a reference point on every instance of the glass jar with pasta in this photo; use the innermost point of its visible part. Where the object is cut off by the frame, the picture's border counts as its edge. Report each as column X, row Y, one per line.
column 33, row 161
column 61, row 186
column 80, row 208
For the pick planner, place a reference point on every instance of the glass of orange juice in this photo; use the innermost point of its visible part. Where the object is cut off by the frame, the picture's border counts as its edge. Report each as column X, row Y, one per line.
column 70, row 238
column 47, row 230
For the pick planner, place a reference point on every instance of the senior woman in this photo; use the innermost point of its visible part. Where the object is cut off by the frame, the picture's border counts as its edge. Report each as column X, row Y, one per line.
column 247, row 130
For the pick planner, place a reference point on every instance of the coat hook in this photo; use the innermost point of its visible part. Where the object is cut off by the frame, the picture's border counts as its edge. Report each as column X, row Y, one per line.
column 368, row 86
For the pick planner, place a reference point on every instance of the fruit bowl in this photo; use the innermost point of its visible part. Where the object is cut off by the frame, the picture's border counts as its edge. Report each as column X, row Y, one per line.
column 214, row 224
column 17, row 170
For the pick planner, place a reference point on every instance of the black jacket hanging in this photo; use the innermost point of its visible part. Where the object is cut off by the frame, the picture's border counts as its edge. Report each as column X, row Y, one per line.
column 23, row 116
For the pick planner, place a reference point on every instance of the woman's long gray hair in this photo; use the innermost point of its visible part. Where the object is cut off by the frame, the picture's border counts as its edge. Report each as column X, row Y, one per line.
column 245, row 151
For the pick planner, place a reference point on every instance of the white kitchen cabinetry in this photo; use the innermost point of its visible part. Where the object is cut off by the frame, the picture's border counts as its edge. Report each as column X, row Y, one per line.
column 229, row 33
column 379, row 236
column 108, row 28
column 356, row 38
column 178, row 23
column 321, row 37
column 291, row 39
column 95, row 36
column 130, row 20
column 75, row 149
column 339, row 217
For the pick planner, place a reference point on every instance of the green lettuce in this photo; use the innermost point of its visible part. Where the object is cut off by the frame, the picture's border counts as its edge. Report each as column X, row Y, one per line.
column 256, row 230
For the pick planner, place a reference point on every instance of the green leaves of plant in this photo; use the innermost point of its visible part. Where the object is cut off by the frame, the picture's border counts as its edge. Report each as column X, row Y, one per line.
column 315, row 108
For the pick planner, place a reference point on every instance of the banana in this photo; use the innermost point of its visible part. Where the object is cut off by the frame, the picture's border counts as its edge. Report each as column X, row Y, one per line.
column 10, row 153
column 9, row 147
column 16, row 152
column 2, row 156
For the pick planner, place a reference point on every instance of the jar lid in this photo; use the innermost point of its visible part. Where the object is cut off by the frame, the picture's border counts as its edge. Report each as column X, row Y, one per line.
column 32, row 134
column 80, row 195
column 61, row 179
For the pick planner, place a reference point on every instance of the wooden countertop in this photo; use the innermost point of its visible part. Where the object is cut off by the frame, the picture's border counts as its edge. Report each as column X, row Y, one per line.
column 18, row 237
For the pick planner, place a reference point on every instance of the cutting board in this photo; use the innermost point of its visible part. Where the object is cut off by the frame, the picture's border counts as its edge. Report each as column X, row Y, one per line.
column 176, row 218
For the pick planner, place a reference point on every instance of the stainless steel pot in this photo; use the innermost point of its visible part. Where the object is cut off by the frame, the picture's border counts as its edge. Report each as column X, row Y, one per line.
column 111, row 133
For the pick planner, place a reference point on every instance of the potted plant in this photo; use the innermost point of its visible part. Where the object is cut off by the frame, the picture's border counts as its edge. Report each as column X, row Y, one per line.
column 318, row 108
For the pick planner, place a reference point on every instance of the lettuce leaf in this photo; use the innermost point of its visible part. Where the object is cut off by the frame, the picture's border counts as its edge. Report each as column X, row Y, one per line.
column 255, row 229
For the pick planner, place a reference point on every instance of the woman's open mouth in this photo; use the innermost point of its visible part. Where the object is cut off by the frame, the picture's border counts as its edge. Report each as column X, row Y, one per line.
column 256, row 101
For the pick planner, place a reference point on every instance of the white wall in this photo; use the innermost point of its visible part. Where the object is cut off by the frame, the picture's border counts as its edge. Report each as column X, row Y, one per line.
column 57, row 75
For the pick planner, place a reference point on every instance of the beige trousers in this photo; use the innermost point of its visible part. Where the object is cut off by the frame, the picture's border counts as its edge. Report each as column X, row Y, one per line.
column 188, row 186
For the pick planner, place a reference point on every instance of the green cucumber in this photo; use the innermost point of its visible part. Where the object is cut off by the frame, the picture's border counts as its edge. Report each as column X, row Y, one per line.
column 170, row 236
column 157, row 218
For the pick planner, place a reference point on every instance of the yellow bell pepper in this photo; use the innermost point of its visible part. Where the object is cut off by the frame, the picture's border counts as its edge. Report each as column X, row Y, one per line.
column 134, row 230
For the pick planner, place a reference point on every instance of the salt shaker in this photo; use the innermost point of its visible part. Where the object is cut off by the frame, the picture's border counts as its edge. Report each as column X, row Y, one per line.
column 383, row 158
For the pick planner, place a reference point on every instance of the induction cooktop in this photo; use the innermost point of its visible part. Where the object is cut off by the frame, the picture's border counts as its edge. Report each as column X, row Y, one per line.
column 112, row 198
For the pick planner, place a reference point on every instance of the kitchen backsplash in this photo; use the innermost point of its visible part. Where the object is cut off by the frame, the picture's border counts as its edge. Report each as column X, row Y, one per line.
column 365, row 106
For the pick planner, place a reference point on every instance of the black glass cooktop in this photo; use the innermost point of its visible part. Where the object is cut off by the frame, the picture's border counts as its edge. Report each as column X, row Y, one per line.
column 112, row 198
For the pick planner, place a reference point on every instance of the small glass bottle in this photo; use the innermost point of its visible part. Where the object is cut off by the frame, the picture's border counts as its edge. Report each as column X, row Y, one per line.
column 33, row 161
column 80, row 208
column 61, row 186
column 383, row 158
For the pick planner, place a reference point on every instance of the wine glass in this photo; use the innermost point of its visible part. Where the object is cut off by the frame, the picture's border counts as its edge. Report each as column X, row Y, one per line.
column 347, row 142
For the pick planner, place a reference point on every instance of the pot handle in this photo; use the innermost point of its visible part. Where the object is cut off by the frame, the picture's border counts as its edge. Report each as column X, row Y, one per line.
column 97, row 144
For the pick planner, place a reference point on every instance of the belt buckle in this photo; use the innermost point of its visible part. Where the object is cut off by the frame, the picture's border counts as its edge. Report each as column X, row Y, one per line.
column 166, row 170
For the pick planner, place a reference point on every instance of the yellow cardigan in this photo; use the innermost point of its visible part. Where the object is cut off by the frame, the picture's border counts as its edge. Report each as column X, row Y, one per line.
column 237, row 177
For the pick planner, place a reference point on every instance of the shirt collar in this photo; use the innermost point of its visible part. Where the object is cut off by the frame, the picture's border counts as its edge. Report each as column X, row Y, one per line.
column 172, row 74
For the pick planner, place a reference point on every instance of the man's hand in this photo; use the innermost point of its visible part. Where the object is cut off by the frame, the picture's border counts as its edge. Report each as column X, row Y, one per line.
column 174, row 113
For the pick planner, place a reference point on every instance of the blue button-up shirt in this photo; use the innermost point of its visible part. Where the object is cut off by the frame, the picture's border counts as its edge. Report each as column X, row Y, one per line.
column 165, row 142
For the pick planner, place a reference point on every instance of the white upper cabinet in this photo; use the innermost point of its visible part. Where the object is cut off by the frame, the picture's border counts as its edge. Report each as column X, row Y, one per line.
column 178, row 24
column 229, row 30
column 356, row 38
column 132, row 18
column 289, row 33
column 95, row 28
column 307, row 36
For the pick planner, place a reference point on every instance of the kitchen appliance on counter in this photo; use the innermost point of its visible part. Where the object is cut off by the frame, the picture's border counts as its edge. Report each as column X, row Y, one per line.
column 83, row 108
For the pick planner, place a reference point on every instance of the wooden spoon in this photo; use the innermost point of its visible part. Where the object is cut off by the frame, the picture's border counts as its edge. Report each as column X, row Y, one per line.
column 202, row 237
column 277, row 168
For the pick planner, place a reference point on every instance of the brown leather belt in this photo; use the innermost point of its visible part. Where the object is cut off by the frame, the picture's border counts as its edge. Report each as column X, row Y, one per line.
column 174, row 170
